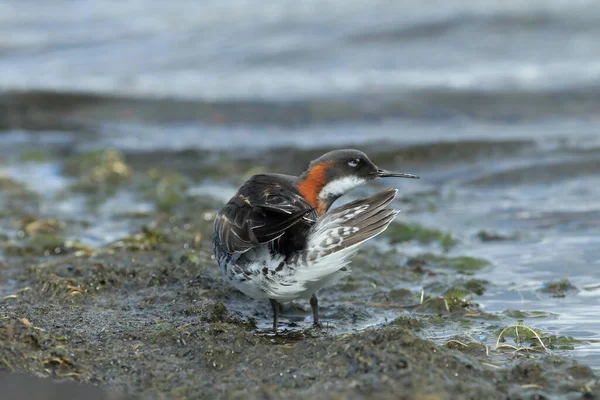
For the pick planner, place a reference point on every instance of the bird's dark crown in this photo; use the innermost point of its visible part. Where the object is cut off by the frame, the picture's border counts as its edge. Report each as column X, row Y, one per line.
column 343, row 163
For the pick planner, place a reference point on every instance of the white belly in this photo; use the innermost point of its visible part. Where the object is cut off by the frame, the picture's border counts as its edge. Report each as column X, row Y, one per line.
column 283, row 284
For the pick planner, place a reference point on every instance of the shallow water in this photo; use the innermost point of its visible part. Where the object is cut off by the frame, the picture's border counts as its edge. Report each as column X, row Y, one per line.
column 502, row 130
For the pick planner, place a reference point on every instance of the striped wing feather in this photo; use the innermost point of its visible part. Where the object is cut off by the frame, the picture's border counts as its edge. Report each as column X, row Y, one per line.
column 332, row 241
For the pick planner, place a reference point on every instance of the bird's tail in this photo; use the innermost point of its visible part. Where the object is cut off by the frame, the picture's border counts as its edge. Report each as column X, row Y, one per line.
column 334, row 238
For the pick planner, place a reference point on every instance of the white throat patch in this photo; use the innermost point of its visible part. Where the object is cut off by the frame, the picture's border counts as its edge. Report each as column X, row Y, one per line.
column 340, row 186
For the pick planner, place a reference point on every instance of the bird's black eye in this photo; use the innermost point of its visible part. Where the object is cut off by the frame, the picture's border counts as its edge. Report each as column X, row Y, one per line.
column 354, row 163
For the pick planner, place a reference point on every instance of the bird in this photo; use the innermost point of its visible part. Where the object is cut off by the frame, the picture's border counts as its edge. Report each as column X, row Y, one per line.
column 278, row 239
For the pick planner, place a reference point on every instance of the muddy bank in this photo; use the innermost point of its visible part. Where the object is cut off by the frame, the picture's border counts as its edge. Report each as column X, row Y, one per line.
column 150, row 315
column 106, row 278
column 160, row 323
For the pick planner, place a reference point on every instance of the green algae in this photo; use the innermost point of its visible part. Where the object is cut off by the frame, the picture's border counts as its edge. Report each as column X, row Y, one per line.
column 455, row 298
column 559, row 288
column 47, row 241
column 476, row 286
column 408, row 322
column 462, row 264
column 466, row 345
column 147, row 239
column 97, row 170
column 459, row 285
column 523, row 314
column 452, row 302
column 167, row 189
column 193, row 258
column 49, row 226
column 486, row 236
column 520, row 337
column 554, row 342
column 403, row 232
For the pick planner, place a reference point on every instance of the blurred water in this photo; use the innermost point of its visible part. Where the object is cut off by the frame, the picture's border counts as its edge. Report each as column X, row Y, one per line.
column 522, row 78
column 285, row 49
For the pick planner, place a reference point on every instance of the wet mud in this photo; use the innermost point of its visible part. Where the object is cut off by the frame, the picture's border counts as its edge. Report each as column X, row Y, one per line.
column 146, row 318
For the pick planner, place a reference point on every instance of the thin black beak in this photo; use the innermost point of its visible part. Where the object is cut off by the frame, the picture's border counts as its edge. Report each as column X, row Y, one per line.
column 382, row 173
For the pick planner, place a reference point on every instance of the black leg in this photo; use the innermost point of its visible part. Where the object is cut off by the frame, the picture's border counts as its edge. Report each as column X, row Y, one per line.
column 314, row 304
column 275, row 305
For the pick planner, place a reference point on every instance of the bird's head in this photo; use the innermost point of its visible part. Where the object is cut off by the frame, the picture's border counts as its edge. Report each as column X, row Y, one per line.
column 335, row 173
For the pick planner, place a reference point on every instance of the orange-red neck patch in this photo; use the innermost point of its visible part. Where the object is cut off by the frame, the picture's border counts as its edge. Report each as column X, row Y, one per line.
column 311, row 185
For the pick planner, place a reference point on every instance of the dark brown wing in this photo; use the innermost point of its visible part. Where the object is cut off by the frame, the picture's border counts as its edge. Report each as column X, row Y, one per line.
column 261, row 211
